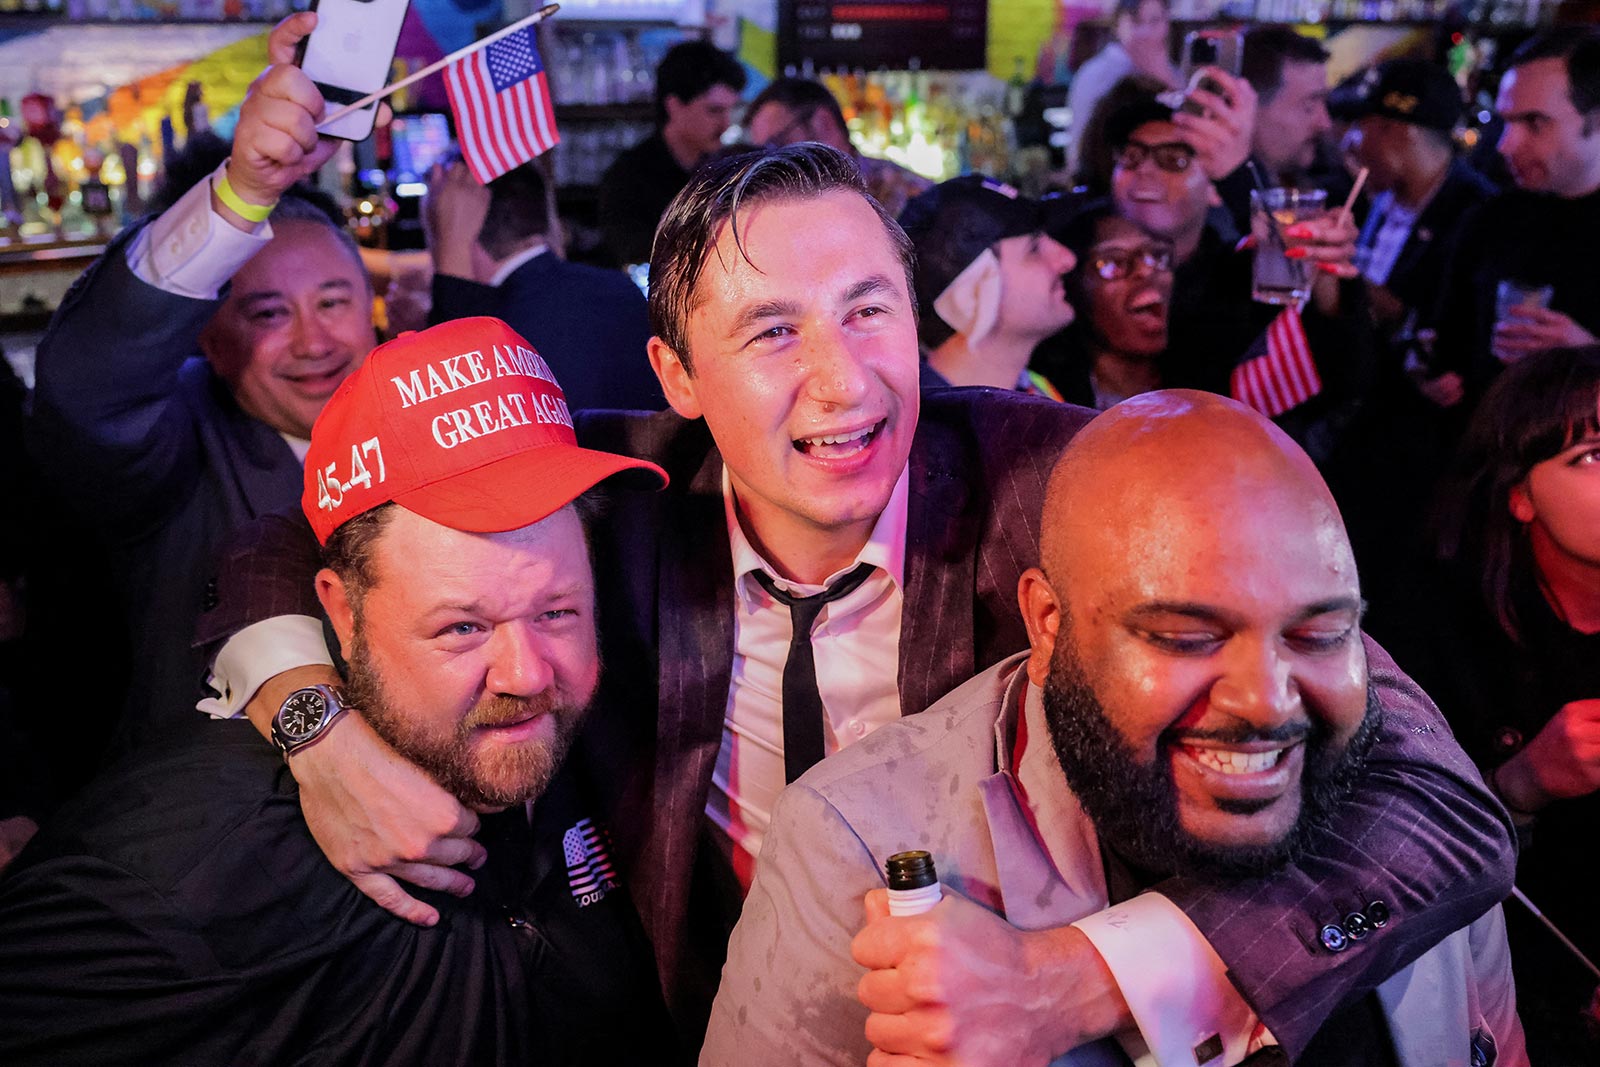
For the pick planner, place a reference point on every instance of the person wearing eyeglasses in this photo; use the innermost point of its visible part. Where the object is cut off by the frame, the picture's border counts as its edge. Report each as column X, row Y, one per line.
column 1165, row 175
column 1140, row 32
column 1121, row 286
column 989, row 284
column 791, row 110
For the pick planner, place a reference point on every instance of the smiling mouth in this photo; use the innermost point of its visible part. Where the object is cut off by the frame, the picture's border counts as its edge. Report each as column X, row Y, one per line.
column 839, row 445
column 320, row 380
column 1229, row 761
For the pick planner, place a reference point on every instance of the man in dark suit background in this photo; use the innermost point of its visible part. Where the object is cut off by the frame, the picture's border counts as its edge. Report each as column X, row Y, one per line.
column 799, row 450
column 492, row 256
column 1403, row 113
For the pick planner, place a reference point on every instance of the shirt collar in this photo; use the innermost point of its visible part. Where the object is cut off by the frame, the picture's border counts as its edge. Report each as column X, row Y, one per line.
column 298, row 445
column 1025, row 754
column 885, row 549
column 506, row 267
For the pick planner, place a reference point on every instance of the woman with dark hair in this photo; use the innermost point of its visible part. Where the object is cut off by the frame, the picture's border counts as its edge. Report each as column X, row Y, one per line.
column 1511, row 653
column 1121, row 288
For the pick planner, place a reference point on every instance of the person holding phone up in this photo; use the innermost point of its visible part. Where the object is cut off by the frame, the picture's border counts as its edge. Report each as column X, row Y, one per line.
column 179, row 381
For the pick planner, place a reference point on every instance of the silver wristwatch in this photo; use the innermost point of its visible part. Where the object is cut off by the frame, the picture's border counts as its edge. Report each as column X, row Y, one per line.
column 305, row 715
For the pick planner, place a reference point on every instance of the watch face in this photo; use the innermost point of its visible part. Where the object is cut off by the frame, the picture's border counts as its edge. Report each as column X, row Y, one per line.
column 302, row 713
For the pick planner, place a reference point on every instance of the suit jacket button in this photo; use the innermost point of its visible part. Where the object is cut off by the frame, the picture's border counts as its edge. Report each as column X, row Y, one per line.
column 1378, row 912
column 1357, row 925
column 1334, row 938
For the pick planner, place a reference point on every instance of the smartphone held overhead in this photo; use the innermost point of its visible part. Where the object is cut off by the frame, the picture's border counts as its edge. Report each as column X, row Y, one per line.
column 1217, row 49
column 349, row 56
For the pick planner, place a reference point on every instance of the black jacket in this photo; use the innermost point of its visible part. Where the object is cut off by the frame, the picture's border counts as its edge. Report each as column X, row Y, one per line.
column 179, row 912
column 589, row 324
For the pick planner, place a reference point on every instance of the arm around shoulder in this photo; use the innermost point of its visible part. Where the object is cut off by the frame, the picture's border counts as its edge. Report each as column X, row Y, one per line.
column 1421, row 845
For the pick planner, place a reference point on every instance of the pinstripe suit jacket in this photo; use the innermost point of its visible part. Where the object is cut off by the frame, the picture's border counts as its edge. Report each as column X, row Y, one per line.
column 1429, row 839
column 1432, row 843
column 979, row 464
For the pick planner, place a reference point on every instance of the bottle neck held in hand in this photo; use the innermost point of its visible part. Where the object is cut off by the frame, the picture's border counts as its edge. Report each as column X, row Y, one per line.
column 913, row 883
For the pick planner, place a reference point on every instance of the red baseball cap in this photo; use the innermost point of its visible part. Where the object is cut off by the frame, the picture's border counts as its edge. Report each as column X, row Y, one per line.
column 463, row 424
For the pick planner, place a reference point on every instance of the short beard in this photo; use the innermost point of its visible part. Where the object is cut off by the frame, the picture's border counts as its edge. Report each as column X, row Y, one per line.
column 1134, row 805
column 448, row 755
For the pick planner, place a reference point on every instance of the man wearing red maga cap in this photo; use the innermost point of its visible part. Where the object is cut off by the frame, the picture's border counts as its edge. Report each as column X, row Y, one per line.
column 181, row 911
column 444, row 423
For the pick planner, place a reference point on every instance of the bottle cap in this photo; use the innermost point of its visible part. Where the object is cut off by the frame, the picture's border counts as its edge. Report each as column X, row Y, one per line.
column 911, row 870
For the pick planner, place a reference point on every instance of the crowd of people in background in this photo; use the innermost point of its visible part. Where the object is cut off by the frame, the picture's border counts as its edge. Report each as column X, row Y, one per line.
column 1431, row 418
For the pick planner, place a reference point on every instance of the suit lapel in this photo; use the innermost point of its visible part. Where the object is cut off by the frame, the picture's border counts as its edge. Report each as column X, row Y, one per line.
column 695, row 625
column 936, row 621
column 263, row 468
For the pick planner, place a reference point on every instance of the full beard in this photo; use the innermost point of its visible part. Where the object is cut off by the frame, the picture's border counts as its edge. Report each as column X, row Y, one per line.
column 482, row 777
column 1134, row 804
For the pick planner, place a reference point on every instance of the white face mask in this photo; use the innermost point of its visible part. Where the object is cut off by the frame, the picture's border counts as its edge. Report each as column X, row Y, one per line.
column 970, row 304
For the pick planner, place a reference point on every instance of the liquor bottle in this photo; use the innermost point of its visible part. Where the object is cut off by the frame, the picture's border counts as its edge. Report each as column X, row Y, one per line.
column 10, row 138
column 913, row 883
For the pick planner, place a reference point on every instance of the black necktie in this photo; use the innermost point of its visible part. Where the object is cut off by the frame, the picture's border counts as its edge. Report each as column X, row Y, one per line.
column 802, row 704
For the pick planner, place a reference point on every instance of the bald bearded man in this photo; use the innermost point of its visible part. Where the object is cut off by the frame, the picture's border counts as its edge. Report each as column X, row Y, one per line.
column 1195, row 703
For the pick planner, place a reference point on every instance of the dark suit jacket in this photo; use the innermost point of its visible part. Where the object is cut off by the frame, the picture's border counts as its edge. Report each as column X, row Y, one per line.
column 1420, row 269
column 1533, row 238
column 1432, row 842
column 589, row 324
column 141, row 441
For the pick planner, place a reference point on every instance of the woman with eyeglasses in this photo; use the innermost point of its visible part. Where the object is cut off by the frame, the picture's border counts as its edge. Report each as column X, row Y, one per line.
column 1506, row 638
column 1121, row 287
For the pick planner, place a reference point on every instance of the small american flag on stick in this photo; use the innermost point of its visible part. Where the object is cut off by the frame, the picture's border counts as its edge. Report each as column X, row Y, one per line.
column 501, row 102
column 1284, row 376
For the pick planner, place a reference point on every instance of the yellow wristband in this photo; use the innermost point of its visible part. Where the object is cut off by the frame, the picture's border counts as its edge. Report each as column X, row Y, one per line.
column 248, row 212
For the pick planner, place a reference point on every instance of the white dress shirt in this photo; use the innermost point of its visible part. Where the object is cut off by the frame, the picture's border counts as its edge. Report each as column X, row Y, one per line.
column 190, row 250
column 510, row 264
column 1394, row 230
column 856, row 643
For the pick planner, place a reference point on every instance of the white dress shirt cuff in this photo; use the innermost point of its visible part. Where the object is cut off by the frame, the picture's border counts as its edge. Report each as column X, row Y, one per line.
column 257, row 653
column 190, row 250
column 1188, row 1013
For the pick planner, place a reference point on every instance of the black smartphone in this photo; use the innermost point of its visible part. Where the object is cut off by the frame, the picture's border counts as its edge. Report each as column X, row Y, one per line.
column 1208, row 48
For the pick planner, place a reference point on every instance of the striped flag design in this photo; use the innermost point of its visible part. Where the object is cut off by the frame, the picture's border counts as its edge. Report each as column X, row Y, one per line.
column 502, row 105
column 1284, row 376
column 589, row 871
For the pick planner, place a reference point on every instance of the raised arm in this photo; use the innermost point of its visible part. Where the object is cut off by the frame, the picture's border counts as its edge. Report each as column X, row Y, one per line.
column 115, row 412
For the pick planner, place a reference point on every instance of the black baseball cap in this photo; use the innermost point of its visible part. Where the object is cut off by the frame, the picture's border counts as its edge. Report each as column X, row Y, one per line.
column 1407, row 90
column 951, row 224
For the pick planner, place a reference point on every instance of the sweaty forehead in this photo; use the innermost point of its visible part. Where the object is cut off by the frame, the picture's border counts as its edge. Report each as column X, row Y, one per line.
column 1114, row 231
column 1537, row 87
column 1176, row 479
